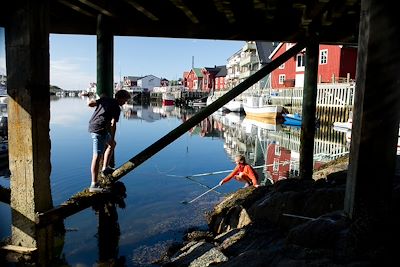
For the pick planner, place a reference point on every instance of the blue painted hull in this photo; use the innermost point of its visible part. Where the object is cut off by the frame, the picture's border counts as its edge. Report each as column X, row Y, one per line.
column 292, row 119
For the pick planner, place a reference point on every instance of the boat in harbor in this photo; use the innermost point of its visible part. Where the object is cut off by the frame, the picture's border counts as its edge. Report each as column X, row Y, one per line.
column 168, row 99
column 257, row 106
column 292, row 119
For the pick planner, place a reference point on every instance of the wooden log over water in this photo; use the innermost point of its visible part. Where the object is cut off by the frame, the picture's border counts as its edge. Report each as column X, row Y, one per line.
column 77, row 203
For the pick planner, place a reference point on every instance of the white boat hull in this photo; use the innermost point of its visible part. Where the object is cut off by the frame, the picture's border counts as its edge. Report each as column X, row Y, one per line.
column 267, row 111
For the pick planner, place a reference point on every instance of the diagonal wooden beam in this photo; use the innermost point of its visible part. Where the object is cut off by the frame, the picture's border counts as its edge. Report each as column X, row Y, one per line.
column 224, row 8
column 76, row 8
column 96, row 7
column 142, row 9
column 179, row 4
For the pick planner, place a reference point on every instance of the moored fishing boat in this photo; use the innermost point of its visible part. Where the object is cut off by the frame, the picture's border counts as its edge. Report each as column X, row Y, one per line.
column 168, row 99
column 257, row 106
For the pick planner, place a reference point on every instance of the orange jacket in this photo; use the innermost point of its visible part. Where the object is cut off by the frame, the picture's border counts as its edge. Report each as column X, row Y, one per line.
column 246, row 169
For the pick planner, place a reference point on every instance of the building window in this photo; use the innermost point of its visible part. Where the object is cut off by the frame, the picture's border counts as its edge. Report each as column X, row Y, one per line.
column 275, row 167
column 300, row 62
column 282, row 66
column 277, row 150
column 282, row 78
column 323, row 57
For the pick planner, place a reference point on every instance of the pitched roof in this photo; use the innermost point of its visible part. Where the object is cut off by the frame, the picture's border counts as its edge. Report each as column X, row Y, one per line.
column 264, row 49
column 222, row 71
column 198, row 73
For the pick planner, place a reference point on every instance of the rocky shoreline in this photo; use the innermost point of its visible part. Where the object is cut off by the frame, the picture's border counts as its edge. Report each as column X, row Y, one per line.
column 290, row 223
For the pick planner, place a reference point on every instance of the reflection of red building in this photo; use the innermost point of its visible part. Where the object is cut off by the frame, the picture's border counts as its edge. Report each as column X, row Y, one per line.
column 277, row 161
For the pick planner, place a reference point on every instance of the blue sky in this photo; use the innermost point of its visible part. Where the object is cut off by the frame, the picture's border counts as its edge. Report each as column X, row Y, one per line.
column 73, row 57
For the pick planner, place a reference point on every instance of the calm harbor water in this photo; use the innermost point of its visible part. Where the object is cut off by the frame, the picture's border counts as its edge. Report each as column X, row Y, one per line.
column 153, row 215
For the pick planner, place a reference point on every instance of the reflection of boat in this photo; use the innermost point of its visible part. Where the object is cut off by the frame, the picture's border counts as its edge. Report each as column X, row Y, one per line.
column 256, row 106
column 232, row 119
column 140, row 112
column 234, row 106
column 165, row 110
column 263, row 123
column 292, row 119
column 201, row 102
column 168, row 99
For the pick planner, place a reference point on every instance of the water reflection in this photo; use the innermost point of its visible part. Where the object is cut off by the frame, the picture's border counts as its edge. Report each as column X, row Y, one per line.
column 272, row 147
column 275, row 147
column 108, row 227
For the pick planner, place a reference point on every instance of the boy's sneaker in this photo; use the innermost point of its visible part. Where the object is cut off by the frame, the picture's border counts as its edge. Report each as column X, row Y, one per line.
column 98, row 189
column 107, row 171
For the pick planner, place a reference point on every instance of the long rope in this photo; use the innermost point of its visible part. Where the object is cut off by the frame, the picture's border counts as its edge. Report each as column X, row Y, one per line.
column 184, row 202
column 225, row 171
column 197, row 182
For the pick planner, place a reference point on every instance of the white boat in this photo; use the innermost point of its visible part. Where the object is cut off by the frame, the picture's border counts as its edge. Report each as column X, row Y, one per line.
column 168, row 99
column 257, row 106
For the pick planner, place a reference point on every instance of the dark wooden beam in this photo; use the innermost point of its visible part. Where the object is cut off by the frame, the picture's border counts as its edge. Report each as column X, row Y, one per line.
column 376, row 117
column 105, row 57
column 309, row 110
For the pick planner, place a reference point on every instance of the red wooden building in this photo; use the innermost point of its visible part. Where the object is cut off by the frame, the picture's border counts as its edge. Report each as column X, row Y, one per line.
column 336, row 63
column 205, row 79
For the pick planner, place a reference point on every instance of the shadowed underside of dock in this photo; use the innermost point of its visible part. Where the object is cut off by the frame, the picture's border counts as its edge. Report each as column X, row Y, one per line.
column 274, row 20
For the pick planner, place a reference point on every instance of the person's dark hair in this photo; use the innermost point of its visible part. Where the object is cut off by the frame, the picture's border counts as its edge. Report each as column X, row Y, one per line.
column 241, row 158
column 122, row 94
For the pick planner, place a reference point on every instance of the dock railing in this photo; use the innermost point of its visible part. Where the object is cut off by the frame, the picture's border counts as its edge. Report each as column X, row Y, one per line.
column 328, row 95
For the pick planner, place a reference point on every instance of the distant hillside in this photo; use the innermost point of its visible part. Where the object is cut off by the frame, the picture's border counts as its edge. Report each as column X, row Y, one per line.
column 55, row 89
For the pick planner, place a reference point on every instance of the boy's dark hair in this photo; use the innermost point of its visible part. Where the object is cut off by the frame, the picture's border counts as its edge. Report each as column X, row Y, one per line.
column 122, row 94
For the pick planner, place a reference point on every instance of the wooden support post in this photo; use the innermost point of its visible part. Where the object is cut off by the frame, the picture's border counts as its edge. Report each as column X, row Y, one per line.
column 27, row 59
column 308, row 112
column 376, row 117
column 105, row 57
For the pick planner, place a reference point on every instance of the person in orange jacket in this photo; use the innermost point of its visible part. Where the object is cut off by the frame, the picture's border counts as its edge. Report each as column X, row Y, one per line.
column 243, row 172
